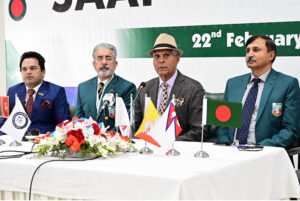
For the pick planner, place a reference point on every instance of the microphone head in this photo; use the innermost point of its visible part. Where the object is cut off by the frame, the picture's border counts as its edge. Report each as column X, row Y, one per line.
column 113, row 92
column 143, row 84
column 35, row 132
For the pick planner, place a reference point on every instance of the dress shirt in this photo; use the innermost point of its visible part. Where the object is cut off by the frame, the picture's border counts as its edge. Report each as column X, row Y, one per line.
column 170, row 83
column 251, row 136
column 36, row 89
column 106, row 82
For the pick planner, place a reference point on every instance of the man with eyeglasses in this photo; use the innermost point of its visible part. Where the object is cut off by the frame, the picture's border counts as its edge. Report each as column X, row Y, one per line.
column 92, row 92
column 170, row 81
column 45, row 103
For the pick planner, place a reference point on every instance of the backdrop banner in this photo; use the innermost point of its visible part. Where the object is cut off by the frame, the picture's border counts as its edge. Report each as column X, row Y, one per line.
column 212, row 35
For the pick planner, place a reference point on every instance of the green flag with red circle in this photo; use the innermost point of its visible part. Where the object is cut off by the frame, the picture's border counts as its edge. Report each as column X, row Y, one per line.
column 223, row 113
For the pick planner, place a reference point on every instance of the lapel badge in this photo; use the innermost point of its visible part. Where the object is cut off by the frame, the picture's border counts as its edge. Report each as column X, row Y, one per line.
column 277, row 109
column 41, row 94
column 179, row 101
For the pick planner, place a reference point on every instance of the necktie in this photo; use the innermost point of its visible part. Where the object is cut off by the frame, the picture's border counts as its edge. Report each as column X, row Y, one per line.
column 163, row 103
column 248, row 109
column 100, row 89
column 29, row 104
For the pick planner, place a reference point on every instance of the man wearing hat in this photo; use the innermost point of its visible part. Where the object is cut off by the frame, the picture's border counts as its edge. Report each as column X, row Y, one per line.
column 188, row 92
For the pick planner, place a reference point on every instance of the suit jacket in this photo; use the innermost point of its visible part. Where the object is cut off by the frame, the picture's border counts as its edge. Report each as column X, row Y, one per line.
column 44, row 119
column 270, row 130
column 86, row 97
column 189, row 113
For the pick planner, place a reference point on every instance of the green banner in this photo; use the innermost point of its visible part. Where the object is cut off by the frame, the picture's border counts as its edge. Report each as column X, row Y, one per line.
column 226, row 40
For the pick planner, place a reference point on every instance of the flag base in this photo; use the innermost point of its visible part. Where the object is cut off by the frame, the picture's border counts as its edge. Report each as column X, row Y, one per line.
column 129, row 149
column 2, row 142
column 145, row 150
column 172, row 152
column 15, row 143
column 201, row 154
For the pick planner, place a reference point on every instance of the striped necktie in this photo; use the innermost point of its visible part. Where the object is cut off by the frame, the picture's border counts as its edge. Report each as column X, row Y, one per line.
column 100, row 89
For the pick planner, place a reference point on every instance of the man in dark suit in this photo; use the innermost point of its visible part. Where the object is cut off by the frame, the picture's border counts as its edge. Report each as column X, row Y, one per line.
column 46, row 103
column 275, row 116
column 188, row 92
column 91, row 92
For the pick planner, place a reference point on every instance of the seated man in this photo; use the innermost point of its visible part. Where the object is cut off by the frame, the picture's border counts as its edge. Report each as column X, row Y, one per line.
column 46, row 103
column 271, row 100
column 170, row 82
column 91, row 92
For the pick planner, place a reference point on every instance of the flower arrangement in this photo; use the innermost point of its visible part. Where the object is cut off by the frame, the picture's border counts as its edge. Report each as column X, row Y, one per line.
column 84, row 136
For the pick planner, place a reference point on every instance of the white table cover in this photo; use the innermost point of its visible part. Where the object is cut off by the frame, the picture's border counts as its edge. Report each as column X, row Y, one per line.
column 226, row 174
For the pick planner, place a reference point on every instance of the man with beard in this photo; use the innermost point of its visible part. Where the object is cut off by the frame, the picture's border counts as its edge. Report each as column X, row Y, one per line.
column 91, row 92
column 271, row 100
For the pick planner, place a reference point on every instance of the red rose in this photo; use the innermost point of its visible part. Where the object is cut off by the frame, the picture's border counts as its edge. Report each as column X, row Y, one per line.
column 96, row 128
column 78, row 134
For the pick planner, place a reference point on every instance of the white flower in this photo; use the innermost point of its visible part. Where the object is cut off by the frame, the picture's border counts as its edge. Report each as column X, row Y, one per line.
column 103, row 152
column 93, row 139
column 58, row 135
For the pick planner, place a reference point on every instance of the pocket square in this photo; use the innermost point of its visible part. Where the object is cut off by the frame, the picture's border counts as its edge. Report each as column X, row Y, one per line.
column 179, row 101
column 46, row 104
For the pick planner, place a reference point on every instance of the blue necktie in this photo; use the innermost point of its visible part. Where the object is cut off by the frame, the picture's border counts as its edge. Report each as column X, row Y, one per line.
column 248, row 109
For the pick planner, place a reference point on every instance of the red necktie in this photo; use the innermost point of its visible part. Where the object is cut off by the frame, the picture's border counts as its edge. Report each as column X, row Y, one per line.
column 29, row 104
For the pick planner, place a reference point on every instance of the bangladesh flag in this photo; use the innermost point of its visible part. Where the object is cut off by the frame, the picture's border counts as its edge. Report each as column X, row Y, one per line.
column 223, row 113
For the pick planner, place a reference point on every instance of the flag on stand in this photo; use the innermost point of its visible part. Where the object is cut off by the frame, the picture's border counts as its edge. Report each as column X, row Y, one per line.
column 121, row 118
column 222, row 113
column 4, row 106
column 17, row 123
column 150, row 118
column 167, row 128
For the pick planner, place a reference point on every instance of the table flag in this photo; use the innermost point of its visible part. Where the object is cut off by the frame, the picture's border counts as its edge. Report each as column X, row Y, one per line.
column 122, row 119
column 17, row 123
column 150, row 118
column 4, row 106
column 223, row 113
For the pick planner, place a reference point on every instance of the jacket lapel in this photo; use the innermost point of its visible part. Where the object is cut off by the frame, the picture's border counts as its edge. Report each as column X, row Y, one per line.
column 153, row 91
column 22, row 93
column 177, row 87
column 91, row 94
column 270, row 81
column 43, row 90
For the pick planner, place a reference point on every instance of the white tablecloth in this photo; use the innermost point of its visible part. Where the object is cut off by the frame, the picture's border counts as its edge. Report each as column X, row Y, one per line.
column 226, row 174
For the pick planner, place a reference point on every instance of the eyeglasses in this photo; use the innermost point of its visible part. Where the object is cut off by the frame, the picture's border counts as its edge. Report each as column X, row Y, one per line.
column 32, row 68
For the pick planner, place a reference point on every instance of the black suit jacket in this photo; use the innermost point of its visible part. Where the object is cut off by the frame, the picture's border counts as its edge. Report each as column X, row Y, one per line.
column 189, row 113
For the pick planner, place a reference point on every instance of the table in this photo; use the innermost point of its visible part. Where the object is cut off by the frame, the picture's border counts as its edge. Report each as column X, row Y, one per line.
column 226, row 174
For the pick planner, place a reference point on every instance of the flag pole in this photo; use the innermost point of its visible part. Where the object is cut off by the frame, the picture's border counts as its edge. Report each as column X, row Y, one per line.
column 201, row 153
column 172, row 151
column 130, row 148
column 145, row 150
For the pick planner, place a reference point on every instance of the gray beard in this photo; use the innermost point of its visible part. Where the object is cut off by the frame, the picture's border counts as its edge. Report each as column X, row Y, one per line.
column 105, row 74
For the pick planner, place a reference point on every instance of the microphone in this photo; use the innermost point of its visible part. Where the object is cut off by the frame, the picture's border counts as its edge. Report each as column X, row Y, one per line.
column 108, row 99
column 142, row 85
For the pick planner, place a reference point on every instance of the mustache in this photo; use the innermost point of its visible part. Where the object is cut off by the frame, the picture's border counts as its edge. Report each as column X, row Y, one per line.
column 251, row 59
column 104, row 67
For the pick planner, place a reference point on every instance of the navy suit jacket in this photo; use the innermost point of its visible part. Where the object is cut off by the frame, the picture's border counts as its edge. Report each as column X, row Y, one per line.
column 270, row 130
column 86, row 97
column 44, row 119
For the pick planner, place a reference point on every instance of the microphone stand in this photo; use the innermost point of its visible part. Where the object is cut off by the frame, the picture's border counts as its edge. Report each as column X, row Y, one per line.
column 145, row 150
column 130, row 148
column 173, row 152
column 202, row 153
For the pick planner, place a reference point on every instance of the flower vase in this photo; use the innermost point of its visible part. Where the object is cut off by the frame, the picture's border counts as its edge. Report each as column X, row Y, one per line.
column 73, row 154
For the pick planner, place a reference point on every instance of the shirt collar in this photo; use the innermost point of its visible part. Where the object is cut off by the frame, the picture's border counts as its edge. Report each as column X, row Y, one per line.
column 171, row 81
column 262, row 78
column 36, row 89
column 105, row 82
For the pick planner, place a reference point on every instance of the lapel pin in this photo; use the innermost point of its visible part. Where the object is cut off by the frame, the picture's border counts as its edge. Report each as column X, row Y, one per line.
column 41, row 93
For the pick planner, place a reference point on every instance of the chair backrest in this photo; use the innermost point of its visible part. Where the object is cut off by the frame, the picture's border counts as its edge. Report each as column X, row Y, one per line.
column 212, row 130
column 294, row 155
